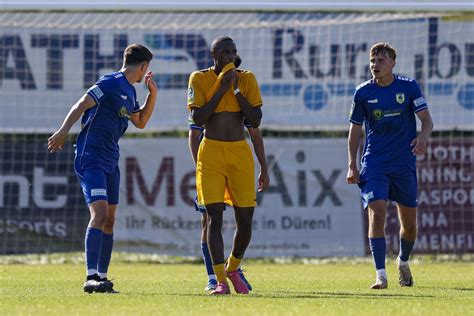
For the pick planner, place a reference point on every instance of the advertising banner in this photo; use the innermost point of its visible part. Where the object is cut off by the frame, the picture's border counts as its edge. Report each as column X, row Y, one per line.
column 308, row 210
column 307, row 64
column 41, row 204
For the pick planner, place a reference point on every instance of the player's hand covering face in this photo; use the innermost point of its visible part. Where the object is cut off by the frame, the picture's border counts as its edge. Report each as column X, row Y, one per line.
column 150, row 82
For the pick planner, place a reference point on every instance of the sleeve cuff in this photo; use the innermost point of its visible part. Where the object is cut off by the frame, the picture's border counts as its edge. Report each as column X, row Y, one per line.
column 355, row 122
column 422, row 108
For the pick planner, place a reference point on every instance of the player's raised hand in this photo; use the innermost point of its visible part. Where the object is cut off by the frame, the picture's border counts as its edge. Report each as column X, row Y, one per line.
column 150, row 83
column 228, row 79
column 56, row 141
column 352, row 176
column 419, row 145
column 263, row 181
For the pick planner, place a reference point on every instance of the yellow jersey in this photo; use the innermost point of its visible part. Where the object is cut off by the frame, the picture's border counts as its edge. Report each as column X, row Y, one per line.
column 203, row 83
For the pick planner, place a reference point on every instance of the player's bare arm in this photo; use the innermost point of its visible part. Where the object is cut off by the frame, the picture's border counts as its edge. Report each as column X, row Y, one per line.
column 253, row 115
column 201, row 115
column 257, row 141
column 193, row 143
column 419, row 143
column 355, row 132
column 140, row 118
column 57, row 140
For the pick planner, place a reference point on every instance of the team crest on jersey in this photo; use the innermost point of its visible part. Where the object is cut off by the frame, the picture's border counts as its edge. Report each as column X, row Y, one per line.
column 190, row 94
column 123, row 112
column 377, row 114
column 400, row 97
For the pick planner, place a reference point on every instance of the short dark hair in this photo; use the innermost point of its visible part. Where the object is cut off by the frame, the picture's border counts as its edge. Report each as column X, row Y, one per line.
column 219, row 40
column 135, row 54
column 383, row 48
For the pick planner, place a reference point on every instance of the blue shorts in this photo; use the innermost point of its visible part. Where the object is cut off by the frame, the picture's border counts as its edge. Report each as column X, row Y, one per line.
column 201, row 208
column 98, row 182
column 399, row 187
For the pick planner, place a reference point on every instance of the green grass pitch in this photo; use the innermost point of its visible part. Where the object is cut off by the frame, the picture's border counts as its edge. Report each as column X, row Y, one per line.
column 335, row 287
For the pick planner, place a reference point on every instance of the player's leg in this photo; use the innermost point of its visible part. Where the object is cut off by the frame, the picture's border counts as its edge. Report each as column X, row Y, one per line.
column 212, row 281
column 215, row 243
column 206, row 255
column 93, row 243
column 408, row 230
column 377, row 211
column 404, row 192
column 210, row 187
column 241, row 188
column 107, row 246
column 242, row 237
column 374, row 193
column 94, row 188
column 113, row 184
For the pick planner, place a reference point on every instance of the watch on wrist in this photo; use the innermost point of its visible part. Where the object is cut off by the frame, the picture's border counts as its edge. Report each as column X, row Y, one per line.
column 236, row 91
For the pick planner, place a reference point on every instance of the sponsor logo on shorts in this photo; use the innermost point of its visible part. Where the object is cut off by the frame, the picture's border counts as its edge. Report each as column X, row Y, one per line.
column 369, row 195
column 373, row 101
column 98, row 192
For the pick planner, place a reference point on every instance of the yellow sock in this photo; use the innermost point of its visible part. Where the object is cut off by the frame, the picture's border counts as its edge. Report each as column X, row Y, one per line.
column 219, row 270
column 233, row 263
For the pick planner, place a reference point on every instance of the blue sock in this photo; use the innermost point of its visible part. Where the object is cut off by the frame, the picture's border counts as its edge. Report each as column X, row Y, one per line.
column 93, row 244
column 105, row 252
column 207, row 258
column 378, row 247
column 405, row 249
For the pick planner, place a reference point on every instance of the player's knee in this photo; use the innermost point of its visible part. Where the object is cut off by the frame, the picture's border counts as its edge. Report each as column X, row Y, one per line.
column 204, row 223
column 109, row 223
column 98, row 219
column 214, row 223
column 376, row 218
column 409, row 229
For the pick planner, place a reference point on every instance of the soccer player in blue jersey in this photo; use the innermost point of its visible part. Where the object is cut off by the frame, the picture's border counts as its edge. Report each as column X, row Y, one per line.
column 387, row 104
column 106, row 109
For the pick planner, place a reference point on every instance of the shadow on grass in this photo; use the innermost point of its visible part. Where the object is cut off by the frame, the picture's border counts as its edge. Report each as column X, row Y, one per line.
column 446, row 288
column 463, row 289
column 320, row 295
column 315, row 294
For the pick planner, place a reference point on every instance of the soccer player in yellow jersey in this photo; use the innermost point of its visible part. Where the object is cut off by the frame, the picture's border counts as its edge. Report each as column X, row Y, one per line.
column 220, row 99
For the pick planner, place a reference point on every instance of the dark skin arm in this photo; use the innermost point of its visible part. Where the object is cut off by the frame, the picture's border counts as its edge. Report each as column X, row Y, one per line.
column 201, row 115
column 193, row 143
column 252, row 114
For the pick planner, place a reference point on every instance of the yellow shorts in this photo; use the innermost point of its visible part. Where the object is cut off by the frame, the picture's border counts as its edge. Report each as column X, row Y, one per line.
column 225, row 173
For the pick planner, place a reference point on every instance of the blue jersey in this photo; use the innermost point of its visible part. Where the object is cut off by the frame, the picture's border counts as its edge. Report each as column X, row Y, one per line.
column 104, row 124
column 390, row 123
